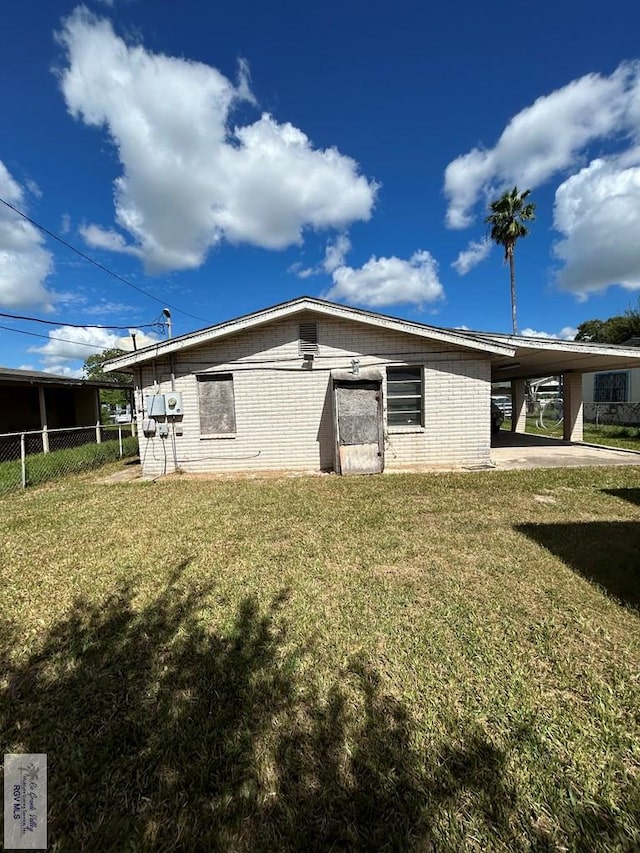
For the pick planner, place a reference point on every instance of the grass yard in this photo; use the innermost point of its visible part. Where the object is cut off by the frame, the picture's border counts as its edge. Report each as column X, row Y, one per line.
column 409, row 662
column 42, row 467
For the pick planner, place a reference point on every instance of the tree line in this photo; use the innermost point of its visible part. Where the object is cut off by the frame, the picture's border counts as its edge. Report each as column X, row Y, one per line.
column 615, row 330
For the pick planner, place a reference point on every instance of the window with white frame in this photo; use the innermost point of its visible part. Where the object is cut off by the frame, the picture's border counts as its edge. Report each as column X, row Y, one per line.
column 610, row 387
column 216, row 403
column 404, row 396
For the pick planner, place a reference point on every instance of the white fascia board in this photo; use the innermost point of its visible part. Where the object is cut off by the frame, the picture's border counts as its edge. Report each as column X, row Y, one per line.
column 577, row 347
column 279, row 312
column 435, row 333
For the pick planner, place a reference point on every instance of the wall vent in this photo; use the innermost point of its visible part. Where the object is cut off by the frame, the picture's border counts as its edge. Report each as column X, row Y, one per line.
column 308, row 333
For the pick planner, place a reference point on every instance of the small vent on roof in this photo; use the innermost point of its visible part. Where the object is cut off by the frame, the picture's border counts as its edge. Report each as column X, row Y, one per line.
column 308, row 338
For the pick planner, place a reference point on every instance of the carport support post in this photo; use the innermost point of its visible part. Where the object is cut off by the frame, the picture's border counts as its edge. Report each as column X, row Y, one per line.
column 572, row 407
column 518, row 405
column 97, row 416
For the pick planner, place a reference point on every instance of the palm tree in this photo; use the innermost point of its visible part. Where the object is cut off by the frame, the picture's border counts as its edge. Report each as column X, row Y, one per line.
column 508, row 213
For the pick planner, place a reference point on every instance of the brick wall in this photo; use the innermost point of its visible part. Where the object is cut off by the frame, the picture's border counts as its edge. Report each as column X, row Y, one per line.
column 283, row 410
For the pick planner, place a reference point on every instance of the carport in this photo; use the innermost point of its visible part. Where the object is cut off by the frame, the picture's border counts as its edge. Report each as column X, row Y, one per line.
column 538, row 357
column 511, row 450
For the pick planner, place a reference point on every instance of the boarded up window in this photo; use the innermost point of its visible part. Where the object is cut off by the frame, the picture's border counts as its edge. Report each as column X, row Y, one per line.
column 217, row 404
column 404, row 396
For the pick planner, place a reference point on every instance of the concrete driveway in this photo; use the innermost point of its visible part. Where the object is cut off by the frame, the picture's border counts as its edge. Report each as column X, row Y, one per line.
column 516, row 450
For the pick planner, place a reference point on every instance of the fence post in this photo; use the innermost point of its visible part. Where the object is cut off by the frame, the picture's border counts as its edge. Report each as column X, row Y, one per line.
column 23, row 459
column 120, row 440
column 43, row 419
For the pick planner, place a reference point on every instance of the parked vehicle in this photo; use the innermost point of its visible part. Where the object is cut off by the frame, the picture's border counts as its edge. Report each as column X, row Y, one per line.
column 497, row 418
column 503, row 402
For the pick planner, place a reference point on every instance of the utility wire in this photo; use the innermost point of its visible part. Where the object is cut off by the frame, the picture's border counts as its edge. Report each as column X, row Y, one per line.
column 98, row 264
column 269, row 366
column 154, row 325
column 49, row 338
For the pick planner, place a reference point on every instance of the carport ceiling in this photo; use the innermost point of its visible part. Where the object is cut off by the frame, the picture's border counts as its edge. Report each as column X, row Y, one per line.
column 536, row 357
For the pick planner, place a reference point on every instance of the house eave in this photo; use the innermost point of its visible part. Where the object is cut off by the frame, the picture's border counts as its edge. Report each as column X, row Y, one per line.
column 28, row 377
column 297, row 306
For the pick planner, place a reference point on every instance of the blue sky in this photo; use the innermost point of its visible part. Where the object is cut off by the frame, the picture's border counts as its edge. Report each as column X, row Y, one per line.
column 226, row 157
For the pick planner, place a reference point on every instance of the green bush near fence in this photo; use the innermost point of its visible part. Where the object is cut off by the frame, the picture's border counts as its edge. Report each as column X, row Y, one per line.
column 42, row 467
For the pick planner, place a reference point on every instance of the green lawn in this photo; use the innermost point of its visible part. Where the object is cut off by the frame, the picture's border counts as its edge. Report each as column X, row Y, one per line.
column 42, row 467
column 408, row 662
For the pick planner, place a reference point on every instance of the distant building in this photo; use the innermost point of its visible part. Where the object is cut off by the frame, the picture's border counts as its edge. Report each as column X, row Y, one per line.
column 612, row 397
column 34, row 400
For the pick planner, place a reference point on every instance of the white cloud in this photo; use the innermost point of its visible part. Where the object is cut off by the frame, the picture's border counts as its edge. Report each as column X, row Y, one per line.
column 336, row 252
column 302, row 272
column 546, row 138
column 33, row 188
column 334, row 255
column 105, row 306
column 189, row 179
column 24, row 262
column 61, row 368
column 567, row 333
column 389, row 281
column 68, row 343
column 475, row 253
column 597, row 212
column 107, row 238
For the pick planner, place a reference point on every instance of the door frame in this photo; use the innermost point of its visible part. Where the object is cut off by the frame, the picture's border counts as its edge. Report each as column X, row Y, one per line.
column 368, row 377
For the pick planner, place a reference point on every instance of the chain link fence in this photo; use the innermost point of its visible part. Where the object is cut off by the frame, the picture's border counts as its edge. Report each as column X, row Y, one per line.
column 31, row 458
column 616, row 414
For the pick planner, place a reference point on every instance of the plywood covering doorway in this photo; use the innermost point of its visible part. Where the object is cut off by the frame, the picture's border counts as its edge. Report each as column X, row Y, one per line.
column 358, row 424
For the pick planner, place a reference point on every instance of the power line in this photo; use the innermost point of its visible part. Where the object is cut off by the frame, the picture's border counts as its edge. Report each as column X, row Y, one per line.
column 98, row 264
column 153, row 325
column 49, row 338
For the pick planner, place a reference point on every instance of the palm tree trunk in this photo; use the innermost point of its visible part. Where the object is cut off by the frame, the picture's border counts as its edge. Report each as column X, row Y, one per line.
column 512, row 272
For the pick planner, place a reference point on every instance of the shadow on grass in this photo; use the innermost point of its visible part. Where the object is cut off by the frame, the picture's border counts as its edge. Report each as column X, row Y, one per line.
column 604, row 552
column 166, row 733
column 631, row 495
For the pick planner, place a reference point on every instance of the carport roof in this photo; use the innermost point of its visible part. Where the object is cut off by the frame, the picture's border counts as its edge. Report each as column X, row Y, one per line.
column 37, row 377
column 536, row 357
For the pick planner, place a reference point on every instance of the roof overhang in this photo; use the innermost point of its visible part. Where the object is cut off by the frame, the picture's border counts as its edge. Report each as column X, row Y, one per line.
column 34, row 377
column 512, row 357
column 459, row 339
column 537, row 357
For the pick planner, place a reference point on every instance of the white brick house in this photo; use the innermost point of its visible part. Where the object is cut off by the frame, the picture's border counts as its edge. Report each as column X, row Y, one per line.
column 311, row 385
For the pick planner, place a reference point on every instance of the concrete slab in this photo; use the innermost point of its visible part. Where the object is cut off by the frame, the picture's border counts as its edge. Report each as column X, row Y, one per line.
column 132, row 471
column 521, row 450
